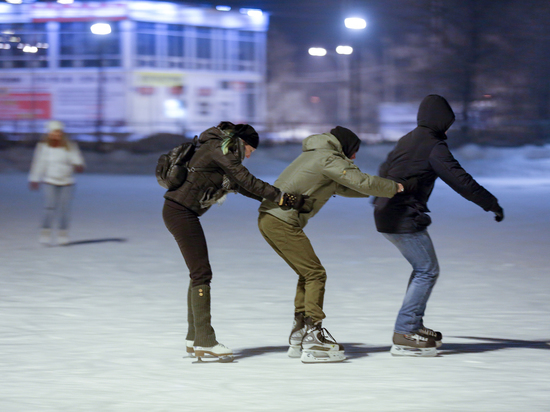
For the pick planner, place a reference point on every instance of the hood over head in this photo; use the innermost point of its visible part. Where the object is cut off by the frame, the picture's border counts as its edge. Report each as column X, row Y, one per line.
column 436, row 114
column 349, row 140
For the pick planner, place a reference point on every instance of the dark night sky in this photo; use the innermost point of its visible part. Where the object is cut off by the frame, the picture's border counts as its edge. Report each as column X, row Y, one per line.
column 307, row 22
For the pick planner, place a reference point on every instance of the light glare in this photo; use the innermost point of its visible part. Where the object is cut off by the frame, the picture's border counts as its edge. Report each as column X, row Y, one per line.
column 252, row 12
column 101, row 28
column 223, row 8
column 344, row 50
column 317, row 51
column 355, row 23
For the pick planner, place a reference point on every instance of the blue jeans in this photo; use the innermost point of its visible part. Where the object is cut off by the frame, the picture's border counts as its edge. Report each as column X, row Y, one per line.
column 418, row 249
column 57, row 200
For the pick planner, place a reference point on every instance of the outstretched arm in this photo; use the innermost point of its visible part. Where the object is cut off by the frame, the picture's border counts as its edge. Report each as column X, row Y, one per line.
column 355, row 183
column 451, row 172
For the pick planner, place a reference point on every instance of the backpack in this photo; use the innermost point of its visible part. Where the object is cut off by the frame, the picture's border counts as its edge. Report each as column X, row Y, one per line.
column 171, row 171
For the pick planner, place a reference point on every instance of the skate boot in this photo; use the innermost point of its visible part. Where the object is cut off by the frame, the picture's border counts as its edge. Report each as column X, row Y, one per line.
column 189, row 348
column 429, row 333
column 217, row 352
column 296, row 334
column 413, row 344
column 318, row 345
column 45, row 236
column 62, row 238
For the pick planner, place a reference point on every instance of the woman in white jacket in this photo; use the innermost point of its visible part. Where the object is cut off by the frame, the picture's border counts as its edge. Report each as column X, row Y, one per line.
column 54, row 162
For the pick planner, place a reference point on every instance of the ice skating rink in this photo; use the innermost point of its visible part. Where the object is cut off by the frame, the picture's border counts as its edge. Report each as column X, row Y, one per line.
column 99, row 325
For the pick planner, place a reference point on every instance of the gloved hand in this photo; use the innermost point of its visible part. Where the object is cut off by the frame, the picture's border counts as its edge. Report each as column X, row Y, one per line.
column 499, row 213
column 410, row 185
column 290, row 201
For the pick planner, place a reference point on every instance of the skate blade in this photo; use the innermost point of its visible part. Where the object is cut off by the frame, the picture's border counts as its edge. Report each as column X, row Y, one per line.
column 318, row 356
column 215, row 359
column 294, row 351
column 400, row 350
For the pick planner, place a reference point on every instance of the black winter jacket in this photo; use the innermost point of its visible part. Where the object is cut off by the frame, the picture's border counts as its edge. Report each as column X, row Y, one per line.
column 424, row 154
column 201, row 184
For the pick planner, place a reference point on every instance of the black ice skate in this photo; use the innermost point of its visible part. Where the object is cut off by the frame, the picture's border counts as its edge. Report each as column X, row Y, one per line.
column 413, row 344
column 429, row 333
column 217, row 353
column 296, row 334
column 318, row 345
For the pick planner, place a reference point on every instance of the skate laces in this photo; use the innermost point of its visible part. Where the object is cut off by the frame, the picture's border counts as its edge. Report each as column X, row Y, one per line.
column 323, row 333
column 428, row 332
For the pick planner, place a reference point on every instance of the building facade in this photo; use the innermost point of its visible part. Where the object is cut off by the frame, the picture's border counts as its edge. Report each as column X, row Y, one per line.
column 163, row 67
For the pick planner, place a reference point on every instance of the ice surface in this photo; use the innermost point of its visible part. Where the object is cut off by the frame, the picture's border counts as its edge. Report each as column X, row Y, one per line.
column 99, row 325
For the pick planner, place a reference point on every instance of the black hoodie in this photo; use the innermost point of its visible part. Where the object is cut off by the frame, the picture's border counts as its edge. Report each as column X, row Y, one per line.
column 424, row 154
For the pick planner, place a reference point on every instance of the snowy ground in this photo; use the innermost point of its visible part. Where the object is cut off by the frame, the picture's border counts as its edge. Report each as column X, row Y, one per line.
column 99, row 325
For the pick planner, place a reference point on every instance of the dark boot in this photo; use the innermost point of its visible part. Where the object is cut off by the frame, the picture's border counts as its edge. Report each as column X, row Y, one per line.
column 190, row 318
column 190, row 338
column 200, row 302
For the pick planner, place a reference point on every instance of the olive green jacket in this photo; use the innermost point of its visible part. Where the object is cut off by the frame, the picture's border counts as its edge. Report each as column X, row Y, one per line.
column 321, row 171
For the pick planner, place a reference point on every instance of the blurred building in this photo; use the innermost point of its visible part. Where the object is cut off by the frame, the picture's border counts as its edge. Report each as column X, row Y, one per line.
column 164, row 67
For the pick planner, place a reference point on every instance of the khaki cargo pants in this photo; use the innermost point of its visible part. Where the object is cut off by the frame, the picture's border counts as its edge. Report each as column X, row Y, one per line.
column 292, row 244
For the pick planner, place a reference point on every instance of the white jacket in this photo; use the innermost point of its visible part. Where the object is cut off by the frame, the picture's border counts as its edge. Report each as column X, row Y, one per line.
column 55, row 165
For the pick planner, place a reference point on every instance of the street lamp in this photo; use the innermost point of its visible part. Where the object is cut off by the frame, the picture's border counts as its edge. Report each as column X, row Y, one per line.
column 100, row 29
column 355, row 23
column 355, row 95
column 343, row 78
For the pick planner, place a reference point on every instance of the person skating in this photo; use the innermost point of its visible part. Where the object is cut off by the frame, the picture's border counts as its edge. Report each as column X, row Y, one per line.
column 403, row 220
column 55, row 160
column 324, row 168
column 214, row 171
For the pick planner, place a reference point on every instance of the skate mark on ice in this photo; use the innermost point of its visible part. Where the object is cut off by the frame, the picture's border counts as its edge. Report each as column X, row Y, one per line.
column 491, row 344
column 90, row 241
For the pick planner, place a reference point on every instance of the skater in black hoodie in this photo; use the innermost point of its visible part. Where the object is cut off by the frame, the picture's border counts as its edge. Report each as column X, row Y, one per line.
column 403, row 219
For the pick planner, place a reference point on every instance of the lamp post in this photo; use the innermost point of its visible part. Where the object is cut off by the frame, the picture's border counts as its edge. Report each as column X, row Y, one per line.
column 355, row 81
column 100, row 29
column 343, row 77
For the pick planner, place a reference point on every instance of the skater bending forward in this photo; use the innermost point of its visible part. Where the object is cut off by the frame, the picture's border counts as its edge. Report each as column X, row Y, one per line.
column 217, row 171
column 403, row 220
column 325, row 168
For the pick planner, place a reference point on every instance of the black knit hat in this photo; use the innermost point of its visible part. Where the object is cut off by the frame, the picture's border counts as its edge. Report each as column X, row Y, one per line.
column 349, row 140
column 248, row 134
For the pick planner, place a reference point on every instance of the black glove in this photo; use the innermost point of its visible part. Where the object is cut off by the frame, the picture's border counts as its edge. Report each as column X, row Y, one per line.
column 290, row 201
column 499, row 213
column 410, row 185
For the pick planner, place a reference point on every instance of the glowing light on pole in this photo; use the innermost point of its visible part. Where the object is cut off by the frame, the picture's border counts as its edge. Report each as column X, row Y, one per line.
column 355, row 23
column 100, row 29
column 344, row 50
column 317, row 51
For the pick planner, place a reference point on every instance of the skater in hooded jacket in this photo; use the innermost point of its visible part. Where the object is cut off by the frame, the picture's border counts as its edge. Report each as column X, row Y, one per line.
column 325, row 168
column 403, row 220
column 214, row 171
